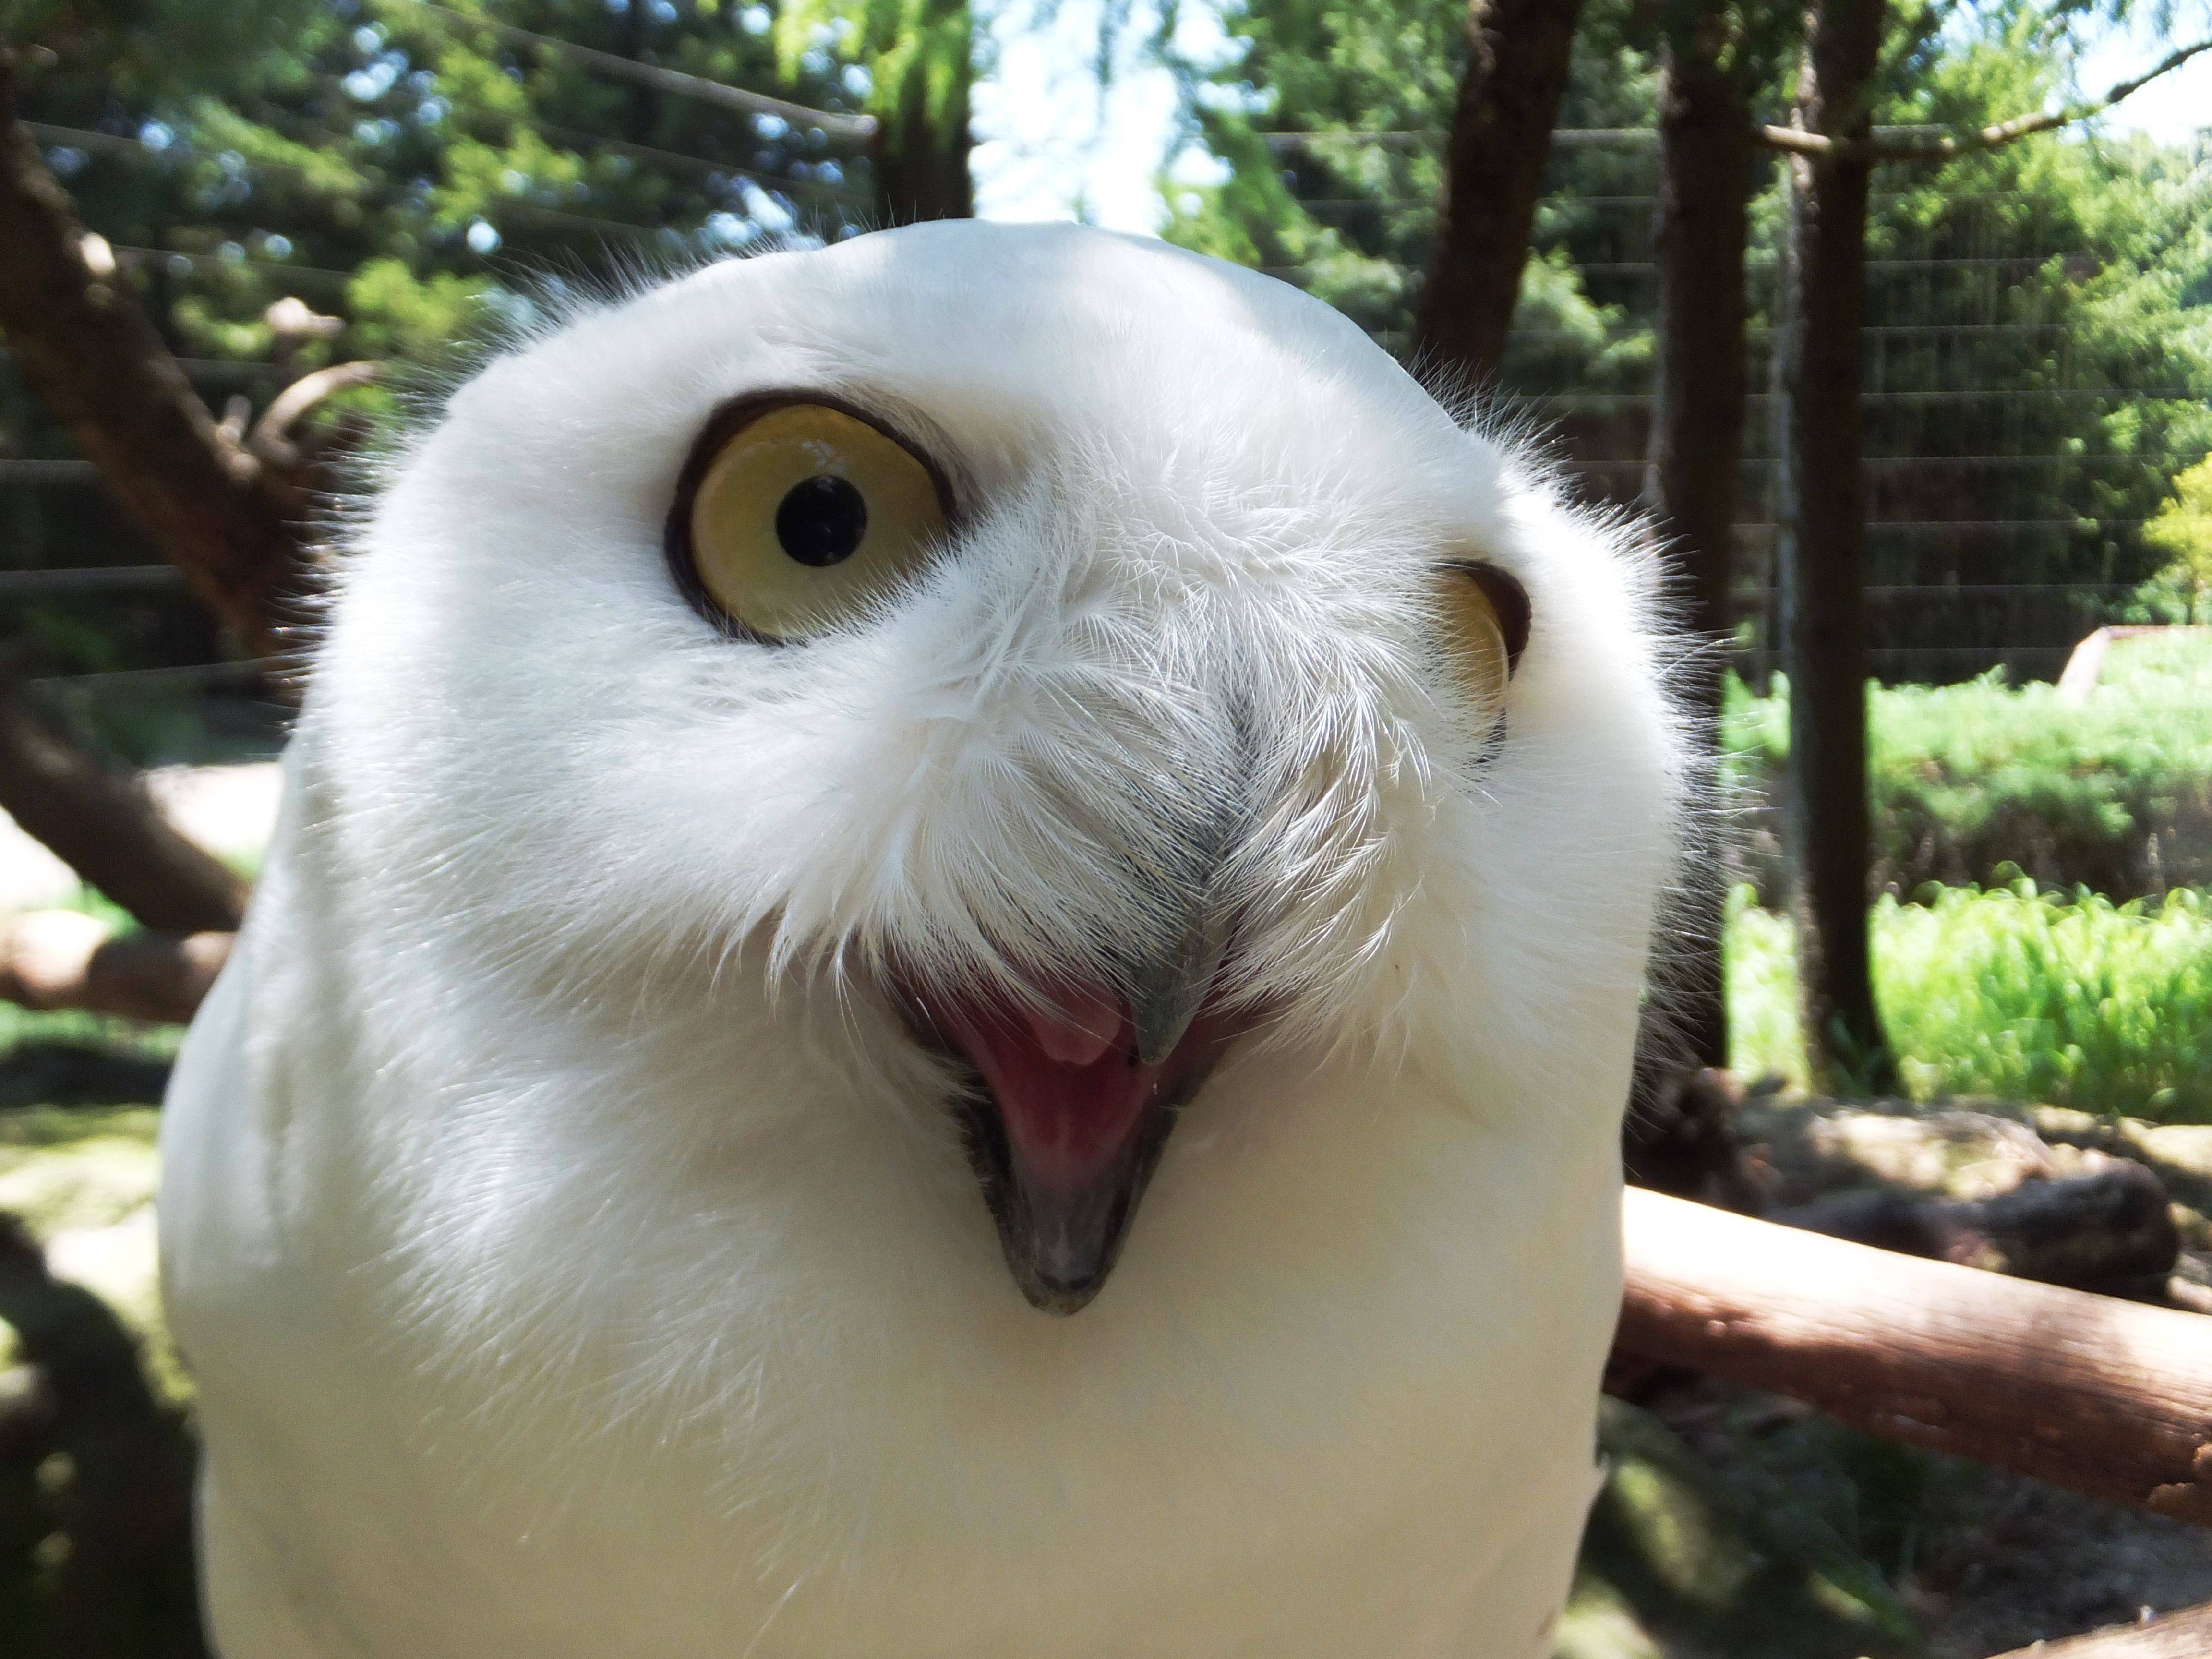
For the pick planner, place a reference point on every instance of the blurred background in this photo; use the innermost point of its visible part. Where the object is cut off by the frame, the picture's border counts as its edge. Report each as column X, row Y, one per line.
column 1893, row 320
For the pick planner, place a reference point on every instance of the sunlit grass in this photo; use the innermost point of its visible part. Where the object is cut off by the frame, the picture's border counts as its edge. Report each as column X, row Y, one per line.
column 2069, row 999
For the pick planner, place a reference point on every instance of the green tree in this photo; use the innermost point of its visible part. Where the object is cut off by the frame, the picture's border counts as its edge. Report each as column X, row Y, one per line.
column 2029, row 307
column 920, row 57
column 2183, row 532
column 1331, row 118
column 318, row 181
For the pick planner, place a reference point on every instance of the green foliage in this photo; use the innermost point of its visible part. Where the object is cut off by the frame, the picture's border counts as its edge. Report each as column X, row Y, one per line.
column 2079, row 299
column 404, row 173
column 1351, row 213
column 1331, row 117
column 2183, row 532
column 918, row 53
column 147, row 49
column 2041, row 339
column 397, row 313
column 1965, row 781
column 2066, row 999
column 389, row 160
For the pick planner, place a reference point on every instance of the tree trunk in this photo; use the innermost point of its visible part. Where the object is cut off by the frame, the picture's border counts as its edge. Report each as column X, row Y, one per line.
column 1821, row 558
column 2108, row 1397
column 1501, row 136
column 923, row 136
column 233, row 526
column 1697, row 440
column 102, row 824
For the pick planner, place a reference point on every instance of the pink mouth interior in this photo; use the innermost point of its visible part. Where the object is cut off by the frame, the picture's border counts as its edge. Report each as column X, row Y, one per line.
column 1068, row 1082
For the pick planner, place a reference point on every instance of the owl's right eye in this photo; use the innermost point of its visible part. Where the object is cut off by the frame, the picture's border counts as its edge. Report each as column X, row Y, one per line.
column 1484, row 613
column 794, row 516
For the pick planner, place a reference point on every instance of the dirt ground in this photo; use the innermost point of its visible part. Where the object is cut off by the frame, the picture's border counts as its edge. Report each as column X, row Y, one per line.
column 2031, row 1562
column 1985, row 1561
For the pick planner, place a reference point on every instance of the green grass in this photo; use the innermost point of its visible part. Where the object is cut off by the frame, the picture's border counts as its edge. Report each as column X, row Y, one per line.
column 2071, row 1000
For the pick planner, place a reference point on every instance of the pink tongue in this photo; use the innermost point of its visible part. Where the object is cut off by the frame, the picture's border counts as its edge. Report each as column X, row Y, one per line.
column 1078, row 1035
column 1067, row 1084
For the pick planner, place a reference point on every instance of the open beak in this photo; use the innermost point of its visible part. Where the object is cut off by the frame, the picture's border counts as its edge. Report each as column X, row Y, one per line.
column 1076, row 1102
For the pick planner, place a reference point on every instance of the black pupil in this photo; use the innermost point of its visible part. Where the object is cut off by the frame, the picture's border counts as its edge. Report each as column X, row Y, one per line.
column 821, row 521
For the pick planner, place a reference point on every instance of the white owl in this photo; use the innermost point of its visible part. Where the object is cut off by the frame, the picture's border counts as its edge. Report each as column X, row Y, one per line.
column 842, row 796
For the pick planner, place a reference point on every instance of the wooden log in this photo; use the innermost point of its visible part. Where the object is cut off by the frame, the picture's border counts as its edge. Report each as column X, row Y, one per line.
column 2183, row 1635
column 2108, row 1397
column 2108, row 1229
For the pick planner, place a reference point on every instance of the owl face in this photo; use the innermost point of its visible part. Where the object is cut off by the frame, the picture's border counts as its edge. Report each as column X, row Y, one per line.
column 1079, row 659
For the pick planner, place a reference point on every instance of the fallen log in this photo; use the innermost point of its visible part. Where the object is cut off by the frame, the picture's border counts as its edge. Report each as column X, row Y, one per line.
column 2110, row 1229
column 2183, row 1635
column 2107, row 1397
column 63, row 959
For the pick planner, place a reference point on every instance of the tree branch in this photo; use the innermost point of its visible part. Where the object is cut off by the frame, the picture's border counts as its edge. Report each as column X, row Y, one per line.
column 231, row 522
column 2108, row 1397
column 1797, row 142
column 54, row 959
column 270, row 440
column 103, row 826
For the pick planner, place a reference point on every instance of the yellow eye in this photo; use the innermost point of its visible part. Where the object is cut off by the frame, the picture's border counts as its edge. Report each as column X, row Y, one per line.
column 1486, row 624
column 800, row 519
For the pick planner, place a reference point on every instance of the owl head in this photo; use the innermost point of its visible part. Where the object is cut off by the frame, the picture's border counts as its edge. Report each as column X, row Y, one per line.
column 1068, row 665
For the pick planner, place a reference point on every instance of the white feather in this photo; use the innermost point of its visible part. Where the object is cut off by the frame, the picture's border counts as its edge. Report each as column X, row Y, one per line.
column 576, row 1255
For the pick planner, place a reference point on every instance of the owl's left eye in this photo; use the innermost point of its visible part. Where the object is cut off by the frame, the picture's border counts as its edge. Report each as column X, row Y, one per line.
column 792, row 517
